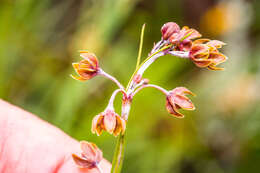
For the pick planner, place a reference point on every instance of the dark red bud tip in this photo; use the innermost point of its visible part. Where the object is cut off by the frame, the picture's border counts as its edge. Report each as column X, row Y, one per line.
column 168, row 29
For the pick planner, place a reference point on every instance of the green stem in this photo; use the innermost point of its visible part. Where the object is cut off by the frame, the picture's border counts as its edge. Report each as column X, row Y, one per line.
column 119, row 154
column 120, row 146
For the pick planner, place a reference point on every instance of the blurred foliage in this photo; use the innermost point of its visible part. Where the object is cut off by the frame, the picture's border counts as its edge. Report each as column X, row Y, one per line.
column 40, row 39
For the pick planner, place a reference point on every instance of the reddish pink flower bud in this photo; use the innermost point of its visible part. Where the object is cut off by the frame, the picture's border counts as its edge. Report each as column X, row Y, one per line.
column 168, row 29
column 185, row 45
column 216, row 58
column 182, row 40
column 204, row 53
column 90, row 157
column 86, row 68
column 199, row 55
column 185, row 33
column 108, row 121
column 176, row 100
column 190, row 33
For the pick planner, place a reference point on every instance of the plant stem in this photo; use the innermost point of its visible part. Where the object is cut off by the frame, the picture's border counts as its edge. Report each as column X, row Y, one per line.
column 119, row 154
column 120, row 146
column 141, row 69
column 179, row 54
column 112, row 78
column 126, row 104
column 112, row 98
column 164, row 91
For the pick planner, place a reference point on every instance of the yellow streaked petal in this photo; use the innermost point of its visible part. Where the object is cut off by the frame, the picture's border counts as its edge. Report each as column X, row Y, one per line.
column 79, row 78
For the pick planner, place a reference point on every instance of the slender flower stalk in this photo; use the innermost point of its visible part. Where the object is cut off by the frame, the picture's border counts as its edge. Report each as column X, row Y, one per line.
column 112, row 98
column 174, row 41
column 112, row 78
column 147, row 62
column 164, row 91
column 180, row 54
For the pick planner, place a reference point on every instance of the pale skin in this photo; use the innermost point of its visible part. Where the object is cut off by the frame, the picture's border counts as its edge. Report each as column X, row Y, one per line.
column 29, row 144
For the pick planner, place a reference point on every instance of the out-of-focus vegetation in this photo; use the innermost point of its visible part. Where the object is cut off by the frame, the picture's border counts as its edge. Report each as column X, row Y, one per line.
column 40, row 39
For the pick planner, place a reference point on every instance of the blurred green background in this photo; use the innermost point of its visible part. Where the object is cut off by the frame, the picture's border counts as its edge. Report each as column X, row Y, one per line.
column 40, row 39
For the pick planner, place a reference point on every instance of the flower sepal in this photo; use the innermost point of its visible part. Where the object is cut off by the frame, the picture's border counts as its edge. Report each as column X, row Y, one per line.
column 90, row 156
column 86, row 68
column 204, row 53
column 108, row 121
column 176, row 99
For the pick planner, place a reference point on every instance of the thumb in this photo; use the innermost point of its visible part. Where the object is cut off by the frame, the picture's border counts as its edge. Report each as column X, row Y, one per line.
column 29, row 144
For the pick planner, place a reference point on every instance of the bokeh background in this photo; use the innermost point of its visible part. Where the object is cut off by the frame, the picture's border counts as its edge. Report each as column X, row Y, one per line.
column 40, row 39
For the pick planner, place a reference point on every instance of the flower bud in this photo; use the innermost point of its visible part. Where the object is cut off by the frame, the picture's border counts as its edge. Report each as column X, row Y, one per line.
column 199, row 55
column 185, row 45
column 86, row 68
column 90, row 157
column 185, row 33
column 204, row 53
column 176, row 100
column 108, row 121
column 168, row 29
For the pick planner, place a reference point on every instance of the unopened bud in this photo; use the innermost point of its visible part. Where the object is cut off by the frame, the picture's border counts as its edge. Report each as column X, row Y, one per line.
column 86, row 68
column 168, row 29
column 176, row 99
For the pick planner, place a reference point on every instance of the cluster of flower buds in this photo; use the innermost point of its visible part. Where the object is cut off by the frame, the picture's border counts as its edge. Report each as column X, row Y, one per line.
column 90, row 157
column 203, row 52
column 86, row 68
column 176, row 100
column 108, row 121
column 176, row 41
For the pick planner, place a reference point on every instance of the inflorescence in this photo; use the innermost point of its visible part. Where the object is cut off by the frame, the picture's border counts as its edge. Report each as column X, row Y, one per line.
column 182, row 43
